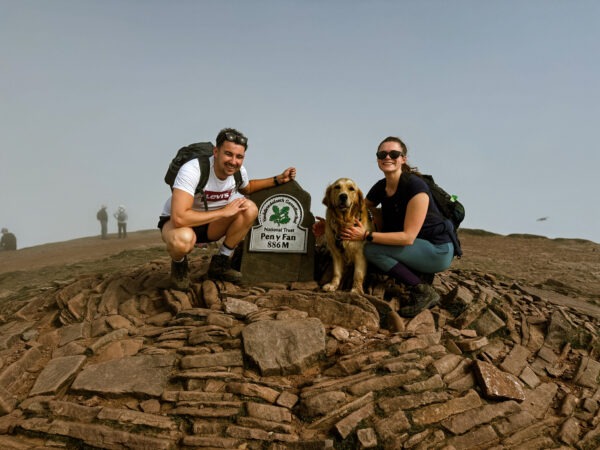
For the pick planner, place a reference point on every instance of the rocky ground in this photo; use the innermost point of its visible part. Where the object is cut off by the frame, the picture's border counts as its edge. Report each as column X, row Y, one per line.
column 97, row 352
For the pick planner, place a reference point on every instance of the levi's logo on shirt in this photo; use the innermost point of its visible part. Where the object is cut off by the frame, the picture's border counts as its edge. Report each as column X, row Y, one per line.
column 212, row 196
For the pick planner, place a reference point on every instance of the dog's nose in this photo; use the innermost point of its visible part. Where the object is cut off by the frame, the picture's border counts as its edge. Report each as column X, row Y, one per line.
column 343, row 197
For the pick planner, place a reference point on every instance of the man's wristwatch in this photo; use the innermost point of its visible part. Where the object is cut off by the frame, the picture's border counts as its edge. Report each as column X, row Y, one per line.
column 369, row 237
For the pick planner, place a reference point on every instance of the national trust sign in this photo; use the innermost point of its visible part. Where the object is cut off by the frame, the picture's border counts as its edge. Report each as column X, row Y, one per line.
column 278, row 229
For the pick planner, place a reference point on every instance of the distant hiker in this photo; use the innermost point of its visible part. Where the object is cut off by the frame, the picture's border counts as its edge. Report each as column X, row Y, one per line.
column 121, row 216
column 102, row 216
column 185, row 221
column 8, row 240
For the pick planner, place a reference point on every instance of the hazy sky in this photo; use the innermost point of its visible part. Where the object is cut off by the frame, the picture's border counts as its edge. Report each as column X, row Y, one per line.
column 499, row 100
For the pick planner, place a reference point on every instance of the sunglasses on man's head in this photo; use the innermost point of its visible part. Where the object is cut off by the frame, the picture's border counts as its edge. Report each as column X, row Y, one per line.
column 394, row 154
column 236, row 139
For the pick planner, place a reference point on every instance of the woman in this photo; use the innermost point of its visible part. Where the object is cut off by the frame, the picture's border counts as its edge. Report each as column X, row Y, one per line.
column 413, row 237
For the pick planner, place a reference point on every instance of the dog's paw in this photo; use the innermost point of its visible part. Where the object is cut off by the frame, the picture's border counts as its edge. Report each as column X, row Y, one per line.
column 357, row 290
column 329, row 287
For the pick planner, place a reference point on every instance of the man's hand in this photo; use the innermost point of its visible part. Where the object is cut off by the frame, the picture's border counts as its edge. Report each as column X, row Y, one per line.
column 234, row 207
column 287, row 175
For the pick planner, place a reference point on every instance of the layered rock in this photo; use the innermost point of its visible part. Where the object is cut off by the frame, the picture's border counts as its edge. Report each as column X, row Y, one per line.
column 122, row 362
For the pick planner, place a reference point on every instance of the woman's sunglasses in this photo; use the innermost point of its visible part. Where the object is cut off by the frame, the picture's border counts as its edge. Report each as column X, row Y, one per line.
column 394, row 154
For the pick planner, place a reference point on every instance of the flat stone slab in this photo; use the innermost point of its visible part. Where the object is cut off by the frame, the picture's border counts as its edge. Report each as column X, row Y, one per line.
column 516, row 360
column 588, row 373
column 232, row 358
column 563, row 300
column 239, row 308
column 345, row 309
column 145, row 374
column 497, row 384
column 284, row 347
column 56, row 374
column 7, row 402
column 11, row 333
column 488, row 323
column 539, row 400
column 97, row 436
column 436, row 413
column 73, row 332
column 13, row 373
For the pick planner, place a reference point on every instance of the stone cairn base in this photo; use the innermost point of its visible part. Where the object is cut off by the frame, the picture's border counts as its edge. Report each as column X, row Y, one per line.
column 124, row 362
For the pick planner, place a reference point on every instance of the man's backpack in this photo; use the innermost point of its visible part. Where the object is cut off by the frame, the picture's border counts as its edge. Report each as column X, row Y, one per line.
column 203, row 151
column 451, row 209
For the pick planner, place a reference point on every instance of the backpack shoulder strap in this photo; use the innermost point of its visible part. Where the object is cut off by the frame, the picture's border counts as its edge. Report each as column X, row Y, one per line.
column 204, row 163
column 404, row 176
column 238, row 179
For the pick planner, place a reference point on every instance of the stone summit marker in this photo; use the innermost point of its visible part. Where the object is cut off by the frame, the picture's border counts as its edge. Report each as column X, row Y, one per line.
column 280, row 246
column 279, row 226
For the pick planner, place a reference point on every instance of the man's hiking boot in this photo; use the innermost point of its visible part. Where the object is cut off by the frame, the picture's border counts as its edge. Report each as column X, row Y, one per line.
column 220, row 269
column 423, row 296
column 180, row 274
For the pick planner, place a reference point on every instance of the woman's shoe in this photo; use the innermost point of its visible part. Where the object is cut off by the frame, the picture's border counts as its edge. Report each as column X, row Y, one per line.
column 422, row 296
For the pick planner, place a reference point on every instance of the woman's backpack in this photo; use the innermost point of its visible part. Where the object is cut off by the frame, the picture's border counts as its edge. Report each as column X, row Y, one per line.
column 448, row 204
column 452, row 211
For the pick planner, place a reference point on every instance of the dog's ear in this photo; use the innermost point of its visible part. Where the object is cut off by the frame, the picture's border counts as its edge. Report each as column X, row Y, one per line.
column 326, row 201
column 360, row 200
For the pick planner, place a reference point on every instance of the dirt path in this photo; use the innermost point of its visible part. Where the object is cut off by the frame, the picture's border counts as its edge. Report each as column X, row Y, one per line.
column 76, row 251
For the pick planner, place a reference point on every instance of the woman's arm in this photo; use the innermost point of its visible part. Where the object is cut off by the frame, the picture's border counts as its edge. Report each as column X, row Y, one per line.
column 416, row 211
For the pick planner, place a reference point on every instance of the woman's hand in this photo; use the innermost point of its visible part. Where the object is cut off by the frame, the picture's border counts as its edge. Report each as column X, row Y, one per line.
column 357, row 232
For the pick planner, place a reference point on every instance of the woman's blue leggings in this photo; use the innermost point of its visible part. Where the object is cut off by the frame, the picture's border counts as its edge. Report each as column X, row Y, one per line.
column 422, row 256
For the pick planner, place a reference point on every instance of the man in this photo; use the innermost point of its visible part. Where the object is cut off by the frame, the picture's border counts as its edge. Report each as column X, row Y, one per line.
column 8, row 240
column 184, row 221
column 121, row 216
column 102, row 216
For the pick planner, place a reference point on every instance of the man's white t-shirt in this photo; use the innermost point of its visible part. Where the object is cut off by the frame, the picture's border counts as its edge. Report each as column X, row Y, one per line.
column 218, row 192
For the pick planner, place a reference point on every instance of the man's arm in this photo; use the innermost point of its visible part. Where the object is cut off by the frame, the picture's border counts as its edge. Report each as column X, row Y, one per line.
column 256, row 185
column 182, row 214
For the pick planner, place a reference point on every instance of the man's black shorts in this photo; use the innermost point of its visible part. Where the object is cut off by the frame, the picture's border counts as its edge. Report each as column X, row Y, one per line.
column 201, row 230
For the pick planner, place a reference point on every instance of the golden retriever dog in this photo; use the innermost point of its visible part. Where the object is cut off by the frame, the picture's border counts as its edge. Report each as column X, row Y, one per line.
column 345, row 205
